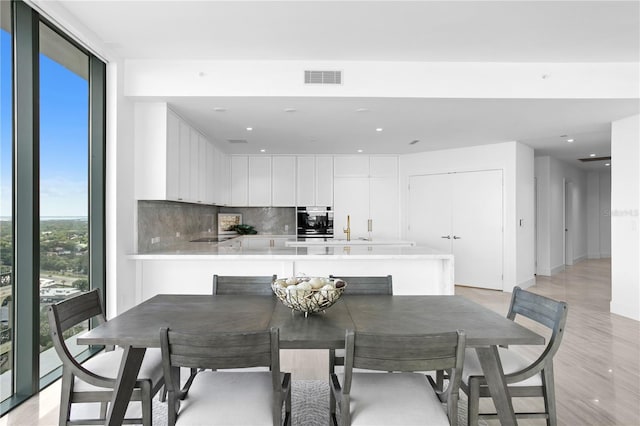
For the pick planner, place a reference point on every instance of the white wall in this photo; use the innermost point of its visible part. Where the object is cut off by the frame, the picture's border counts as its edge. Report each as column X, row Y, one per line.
column 599, row 214
column 625, row 203
column 120, row 203
column 551, row 175
column 517, row 256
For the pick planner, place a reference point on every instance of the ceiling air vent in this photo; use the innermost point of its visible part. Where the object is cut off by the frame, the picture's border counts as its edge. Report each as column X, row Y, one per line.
column 237, row 140
column 323, row 77
column 594, row 159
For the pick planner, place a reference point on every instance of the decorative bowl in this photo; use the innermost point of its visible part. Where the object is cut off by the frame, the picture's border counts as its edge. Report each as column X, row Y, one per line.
column 308, row 294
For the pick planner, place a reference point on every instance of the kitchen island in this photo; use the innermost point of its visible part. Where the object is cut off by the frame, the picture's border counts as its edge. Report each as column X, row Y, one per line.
column 188, row 268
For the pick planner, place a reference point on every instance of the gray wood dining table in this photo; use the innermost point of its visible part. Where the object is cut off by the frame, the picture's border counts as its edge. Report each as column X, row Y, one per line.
column 138, row 329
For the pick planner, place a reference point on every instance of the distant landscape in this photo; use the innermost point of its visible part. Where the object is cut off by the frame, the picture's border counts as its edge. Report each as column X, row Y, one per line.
column 64, row 262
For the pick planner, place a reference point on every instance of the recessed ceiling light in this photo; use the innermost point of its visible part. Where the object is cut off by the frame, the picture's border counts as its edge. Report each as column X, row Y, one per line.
column 359, row 150
column 219, row 109
column 249, row 129
column 263, row 150
column 201, row 74
column 607, row 164
column 545, row 76
column 362, row 110
column 290, row 110
column 563, row 136
column 570, row 140
column 592, row 155
column 379, row 129
column 413, row 142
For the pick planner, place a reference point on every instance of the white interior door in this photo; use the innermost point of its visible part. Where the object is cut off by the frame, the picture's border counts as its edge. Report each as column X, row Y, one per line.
column 430, row 211
column 477, row 228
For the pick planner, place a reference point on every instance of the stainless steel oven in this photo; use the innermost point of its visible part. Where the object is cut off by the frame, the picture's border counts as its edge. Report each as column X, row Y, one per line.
column 315, row 222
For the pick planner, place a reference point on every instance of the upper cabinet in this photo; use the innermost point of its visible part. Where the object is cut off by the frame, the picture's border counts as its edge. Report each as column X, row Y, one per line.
column 173, row 160
column 263, row 181
column 314, row 179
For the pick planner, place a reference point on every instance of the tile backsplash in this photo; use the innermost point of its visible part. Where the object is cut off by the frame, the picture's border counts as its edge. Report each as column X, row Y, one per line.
column 162, row 224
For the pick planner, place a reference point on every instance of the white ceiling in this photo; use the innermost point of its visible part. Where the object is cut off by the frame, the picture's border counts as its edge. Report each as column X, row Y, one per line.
column 483, row 31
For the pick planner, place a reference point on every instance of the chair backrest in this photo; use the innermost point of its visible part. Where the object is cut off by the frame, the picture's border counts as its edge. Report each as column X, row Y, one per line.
column 68, row 313
column 368, row 285
column 250, row 286
column 219, row 350
column 548, row 312
column 418, row 352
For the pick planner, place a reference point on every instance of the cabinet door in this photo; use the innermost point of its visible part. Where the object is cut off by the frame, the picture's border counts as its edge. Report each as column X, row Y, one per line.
column 259, row 181
column 384, row 208
column 324, row 181
column 173, row 156
column 383, row 166
column 283, row 182
column 185, row 161
column 351, row 198
column 306, row 181
column 194, row 177
column 239, row 180
column 351, row 166
column 207, row 179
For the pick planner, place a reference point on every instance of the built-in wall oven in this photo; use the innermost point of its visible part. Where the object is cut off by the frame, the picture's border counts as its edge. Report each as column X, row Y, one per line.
column 315, row 222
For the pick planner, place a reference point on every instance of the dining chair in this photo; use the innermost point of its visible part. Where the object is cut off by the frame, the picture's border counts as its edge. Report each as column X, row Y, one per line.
column 243, row 285
column 360, row 286
column 219, row 397
column 95, row 379
column 402, row 397
column 523, row 378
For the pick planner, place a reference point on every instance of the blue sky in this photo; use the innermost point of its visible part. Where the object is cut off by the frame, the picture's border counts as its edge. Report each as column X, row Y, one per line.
column 64, row 105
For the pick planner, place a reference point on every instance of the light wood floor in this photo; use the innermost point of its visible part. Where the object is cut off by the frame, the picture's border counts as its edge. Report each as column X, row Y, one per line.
column 597, row 367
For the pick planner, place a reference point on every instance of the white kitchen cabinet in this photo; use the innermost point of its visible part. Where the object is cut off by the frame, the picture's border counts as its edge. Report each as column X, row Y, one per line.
column 283, row 181
column 173, row 154
column 351, row 166
column 223, row 178
column 369, row 197
column 239, row 180
column 314, row 180
column 259, row 181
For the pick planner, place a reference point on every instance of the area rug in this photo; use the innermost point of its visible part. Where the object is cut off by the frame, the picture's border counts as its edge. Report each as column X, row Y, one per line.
column 309, row 405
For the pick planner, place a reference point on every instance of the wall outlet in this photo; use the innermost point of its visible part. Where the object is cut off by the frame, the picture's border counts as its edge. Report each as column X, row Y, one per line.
column 286, row 228
column 177, row 235
column 155, row 240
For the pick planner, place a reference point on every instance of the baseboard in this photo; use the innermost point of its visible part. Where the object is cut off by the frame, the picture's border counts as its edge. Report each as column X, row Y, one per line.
column 528, row 283
column 557, row 269
column 593, row 256
column 625, row 310
column 606, row 255
column 579, row 259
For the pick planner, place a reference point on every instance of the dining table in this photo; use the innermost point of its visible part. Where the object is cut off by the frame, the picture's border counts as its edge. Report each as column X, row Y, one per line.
column 138, row 329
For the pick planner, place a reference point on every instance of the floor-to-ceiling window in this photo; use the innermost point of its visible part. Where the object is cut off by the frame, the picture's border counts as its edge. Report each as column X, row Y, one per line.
column 64, row 178
column 6, row 203
column 53, row 97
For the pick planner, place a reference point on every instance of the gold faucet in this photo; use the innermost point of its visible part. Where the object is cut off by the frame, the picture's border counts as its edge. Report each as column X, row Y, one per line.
column 347, row 230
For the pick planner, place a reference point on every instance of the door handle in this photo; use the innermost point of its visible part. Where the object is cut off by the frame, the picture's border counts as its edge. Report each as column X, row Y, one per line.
column 448, row 237
column 455, row 237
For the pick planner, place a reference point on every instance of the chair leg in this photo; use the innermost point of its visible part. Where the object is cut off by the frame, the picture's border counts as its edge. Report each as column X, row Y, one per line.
column 65, row 397
column 345, row 411
column 332, row 361
column 473, row 403
column 549, row 395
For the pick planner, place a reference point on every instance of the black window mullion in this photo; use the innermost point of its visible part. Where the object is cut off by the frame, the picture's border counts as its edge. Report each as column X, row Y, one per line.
column 97, row 161
column 26, row 214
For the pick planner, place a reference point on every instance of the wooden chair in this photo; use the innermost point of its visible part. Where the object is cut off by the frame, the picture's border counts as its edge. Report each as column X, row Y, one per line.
column 523, row 378
column 225, row 398
column 360, row 286
column 402, row 397
column 254, row 286
column 95, row 379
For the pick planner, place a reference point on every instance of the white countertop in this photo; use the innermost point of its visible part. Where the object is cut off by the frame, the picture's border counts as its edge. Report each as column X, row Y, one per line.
column 240, row 248
column 341, row 243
